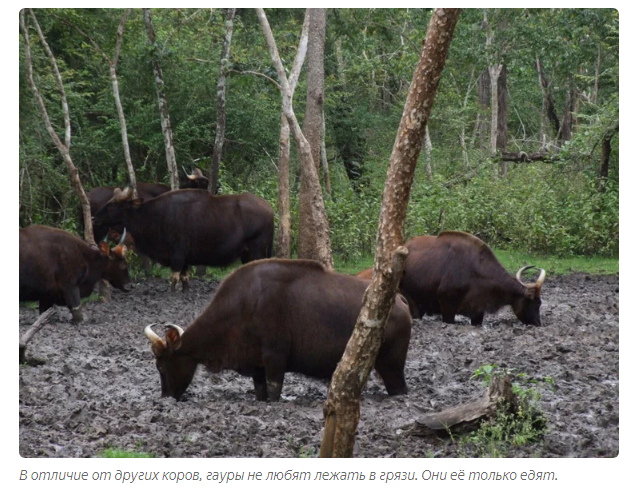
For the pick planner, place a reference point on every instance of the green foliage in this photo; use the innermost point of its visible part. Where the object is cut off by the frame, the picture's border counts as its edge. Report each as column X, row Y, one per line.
column 121, row 453
column 510, row 427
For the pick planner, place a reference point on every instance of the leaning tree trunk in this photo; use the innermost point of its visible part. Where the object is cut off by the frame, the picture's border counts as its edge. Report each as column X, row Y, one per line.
column 63, row 147
column 165, row 119
column 343, row 404
column 323, row 251
column 283, row 241
column 312, row 127
column 221, row 89
column 428, row 148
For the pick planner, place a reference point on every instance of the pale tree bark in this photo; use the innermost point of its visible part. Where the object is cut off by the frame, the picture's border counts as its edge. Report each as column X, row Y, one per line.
column 502, row 135
column 343, row 404
column 566, row 130
column 63, row 147
column 428, row 148
column 283, row 241
column 165, row 119
column 322, row 152
column 495, row 71
column 307, row 247
column 482, row 125
column 221, row 114
column 309, row 170
column 112, row 63
column 548, row 103
column 597, row 69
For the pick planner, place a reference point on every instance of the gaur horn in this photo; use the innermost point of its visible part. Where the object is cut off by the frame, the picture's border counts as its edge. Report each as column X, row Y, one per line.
column 106, row 237
column 122, row 238
column 150, row 334
column 538, row 283
column 179, row 329
column 189, row 176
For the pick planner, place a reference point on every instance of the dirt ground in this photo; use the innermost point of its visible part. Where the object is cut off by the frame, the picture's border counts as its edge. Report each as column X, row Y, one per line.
column 99, row 386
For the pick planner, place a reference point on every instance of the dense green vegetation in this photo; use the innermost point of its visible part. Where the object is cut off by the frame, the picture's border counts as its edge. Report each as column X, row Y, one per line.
column 553, row 207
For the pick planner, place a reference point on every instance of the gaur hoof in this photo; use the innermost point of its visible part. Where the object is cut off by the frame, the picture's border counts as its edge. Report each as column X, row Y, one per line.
column 77, row 315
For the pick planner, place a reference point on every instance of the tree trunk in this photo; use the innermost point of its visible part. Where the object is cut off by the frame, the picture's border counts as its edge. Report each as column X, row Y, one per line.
column 165, row 119
column 312, row 126
column 483, row 125
column 502, row 116
column 309, row 171
column 322, row 152
column 283, row 241
column 221, row 89
column 342, row 406
column 605, row 160
column 549, row 105
column 494, row 71
column 567, row 119
column 64, row 148
column 428, row 148
column 597, row 69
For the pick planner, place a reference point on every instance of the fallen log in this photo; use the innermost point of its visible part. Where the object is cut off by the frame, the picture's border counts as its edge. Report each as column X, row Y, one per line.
column 38, row 325
column 467, row 416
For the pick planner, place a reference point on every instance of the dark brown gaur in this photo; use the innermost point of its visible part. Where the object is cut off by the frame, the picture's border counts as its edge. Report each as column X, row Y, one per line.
column 274, row 316
column 191, row 227
column 59, row 268
column 457, row 273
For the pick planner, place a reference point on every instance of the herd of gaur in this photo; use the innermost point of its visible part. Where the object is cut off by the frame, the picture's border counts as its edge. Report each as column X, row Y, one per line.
column 271, row 316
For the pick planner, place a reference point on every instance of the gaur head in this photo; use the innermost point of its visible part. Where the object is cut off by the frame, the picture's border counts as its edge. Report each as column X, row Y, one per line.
column 116, row 271
column 176, row 368
column 195, row 180
column 111, row 214
column 527, row 307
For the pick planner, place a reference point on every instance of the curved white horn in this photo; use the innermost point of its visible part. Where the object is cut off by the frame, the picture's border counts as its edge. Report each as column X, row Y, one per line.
column 541, row 278
column 520, row 272
column 179, row 329
column 124, row 235
column 150, row 334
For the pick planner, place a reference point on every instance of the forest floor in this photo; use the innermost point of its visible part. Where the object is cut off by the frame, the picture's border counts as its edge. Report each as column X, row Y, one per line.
column 99, row 389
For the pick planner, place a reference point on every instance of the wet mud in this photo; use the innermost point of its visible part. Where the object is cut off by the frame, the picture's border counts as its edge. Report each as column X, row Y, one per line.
column 99, row 388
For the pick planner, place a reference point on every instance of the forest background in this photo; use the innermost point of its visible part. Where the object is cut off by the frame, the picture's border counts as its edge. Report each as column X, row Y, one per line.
column 557, row 76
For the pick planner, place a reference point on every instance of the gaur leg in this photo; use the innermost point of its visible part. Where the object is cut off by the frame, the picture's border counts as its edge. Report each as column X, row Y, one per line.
column 476, row 319
column 260, row 384
column 72, row 296
column 174, row 280
column 393, row 375
column 185, row 279
column 449, row 303
column 275, row 366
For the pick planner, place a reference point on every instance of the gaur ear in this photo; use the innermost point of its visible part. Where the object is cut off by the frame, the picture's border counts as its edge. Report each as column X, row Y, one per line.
column 104, row 247
column 120, row 251
column 173, row 340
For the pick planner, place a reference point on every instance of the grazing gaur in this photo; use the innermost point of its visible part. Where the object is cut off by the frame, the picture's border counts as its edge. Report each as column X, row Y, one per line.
column 276, row 316
column 59, row 268
column 457, row 273
column 191, row 227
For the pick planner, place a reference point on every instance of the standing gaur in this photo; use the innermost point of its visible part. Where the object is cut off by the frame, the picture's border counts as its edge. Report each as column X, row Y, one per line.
column 59, row 268
column 276, row 316
column 191, row 227
column 100, row 195
column 457, row 273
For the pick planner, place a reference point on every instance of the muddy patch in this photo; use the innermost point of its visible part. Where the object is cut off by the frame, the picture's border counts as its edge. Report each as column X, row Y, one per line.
column 99, row 387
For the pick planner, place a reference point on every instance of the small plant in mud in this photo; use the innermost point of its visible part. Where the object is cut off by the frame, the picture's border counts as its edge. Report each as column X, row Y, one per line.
column 121, row 453
column 521, row 424
column 307, row 452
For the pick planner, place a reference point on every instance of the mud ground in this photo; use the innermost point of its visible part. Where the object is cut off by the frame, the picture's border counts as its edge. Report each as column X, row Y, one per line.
column 99, row 387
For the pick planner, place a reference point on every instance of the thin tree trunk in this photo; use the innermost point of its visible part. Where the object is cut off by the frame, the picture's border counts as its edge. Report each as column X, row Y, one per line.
column 566, row 131
column 165, row 119
column 64, row 148
column 343, row 404
column 428, row 148
column 312, row 127
column 494, row 71
column 283, row 241
column 597, row 70
column 502, row 116
column 221, row 97
column 605, row 160
column 322, row 153
column 309, row 171
column 549, row 105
